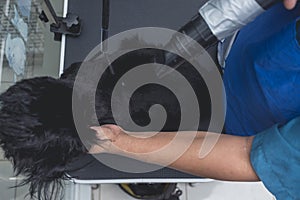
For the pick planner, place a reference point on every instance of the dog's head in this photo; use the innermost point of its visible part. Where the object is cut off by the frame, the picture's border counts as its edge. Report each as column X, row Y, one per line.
column 37, row 132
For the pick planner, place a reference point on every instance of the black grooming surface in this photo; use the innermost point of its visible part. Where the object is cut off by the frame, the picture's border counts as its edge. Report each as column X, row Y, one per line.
column 127, row 15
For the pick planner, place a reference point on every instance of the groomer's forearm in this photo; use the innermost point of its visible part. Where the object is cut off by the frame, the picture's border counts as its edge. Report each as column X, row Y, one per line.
column 228, row 160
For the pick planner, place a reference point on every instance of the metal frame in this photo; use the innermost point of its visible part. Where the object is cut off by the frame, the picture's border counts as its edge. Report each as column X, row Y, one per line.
column 70, row 24
column 63, row 41
column 144, row 180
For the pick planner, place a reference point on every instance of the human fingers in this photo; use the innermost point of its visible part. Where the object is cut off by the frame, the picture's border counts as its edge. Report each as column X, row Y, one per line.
column 106, row 135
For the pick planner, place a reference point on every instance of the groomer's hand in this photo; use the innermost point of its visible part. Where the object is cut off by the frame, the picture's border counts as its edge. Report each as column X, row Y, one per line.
column 106, row 135
column 289, row 4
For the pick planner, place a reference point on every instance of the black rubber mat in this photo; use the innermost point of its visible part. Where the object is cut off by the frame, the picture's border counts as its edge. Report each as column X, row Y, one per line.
column 125, row 14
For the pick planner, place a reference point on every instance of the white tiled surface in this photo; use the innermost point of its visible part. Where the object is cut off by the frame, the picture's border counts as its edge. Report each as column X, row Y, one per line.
column 5, row 183
column 214, row 190
column 21, row 193
column 228, row 191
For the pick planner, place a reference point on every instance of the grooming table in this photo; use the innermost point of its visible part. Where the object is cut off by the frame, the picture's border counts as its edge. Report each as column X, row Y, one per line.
column 124, row 15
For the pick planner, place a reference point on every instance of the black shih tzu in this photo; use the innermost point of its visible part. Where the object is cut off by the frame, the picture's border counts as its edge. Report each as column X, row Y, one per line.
column 38, row 133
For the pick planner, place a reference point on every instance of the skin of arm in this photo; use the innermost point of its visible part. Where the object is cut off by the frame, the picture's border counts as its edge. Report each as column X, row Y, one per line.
column 290, row 4
column 229, row 159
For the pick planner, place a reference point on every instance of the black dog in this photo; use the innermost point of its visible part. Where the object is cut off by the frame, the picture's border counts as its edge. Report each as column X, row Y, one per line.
column 37, row 130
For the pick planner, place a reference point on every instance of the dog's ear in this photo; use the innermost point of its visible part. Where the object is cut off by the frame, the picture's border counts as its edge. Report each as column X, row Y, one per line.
column 37, row 132
column 32, row 108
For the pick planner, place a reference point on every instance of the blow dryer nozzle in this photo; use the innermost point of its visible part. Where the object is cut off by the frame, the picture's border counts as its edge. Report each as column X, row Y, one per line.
column 216, row 20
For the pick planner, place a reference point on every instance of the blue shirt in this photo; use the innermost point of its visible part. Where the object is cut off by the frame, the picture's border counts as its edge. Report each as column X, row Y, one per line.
column 262, row 74
column 262, row 81
column 275, row 157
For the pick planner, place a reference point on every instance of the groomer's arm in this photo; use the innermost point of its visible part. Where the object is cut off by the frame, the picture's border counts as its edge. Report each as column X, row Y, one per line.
column 228, row 160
